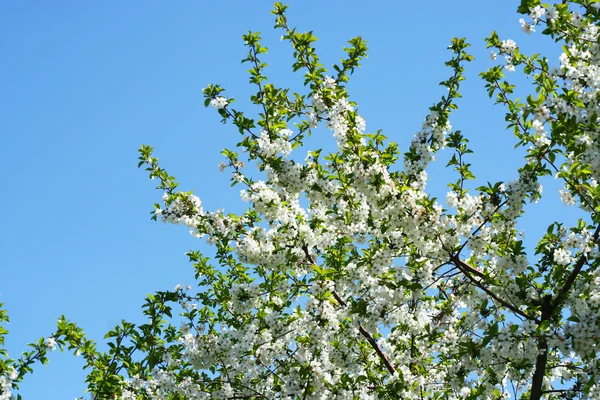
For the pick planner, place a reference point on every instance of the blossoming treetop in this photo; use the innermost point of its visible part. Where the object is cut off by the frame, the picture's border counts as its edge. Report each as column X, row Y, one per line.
column 345, row 279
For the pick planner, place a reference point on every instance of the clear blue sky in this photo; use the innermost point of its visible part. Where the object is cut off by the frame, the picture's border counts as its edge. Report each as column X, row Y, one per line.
column 84, row 84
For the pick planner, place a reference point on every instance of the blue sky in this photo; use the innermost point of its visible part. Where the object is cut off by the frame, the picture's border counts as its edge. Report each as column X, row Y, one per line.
column 84, row 84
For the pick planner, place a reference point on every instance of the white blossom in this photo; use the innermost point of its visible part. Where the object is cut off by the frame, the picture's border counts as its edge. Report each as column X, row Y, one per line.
column 50, row 343
column 218, row 102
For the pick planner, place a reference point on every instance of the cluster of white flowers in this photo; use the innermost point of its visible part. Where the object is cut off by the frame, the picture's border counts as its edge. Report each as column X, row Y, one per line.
column 338, row 121
column 6, row 384
column 537, row 13
column 539, row 137
column 426, row 142
column 567, row 198
column 329, row 83
column 185, row 209
column 526, row 27
column 280, row 145
column 50, row 343
column 346, row 271
column 562, row 257
column 507, row 48
column 583, row 242
column 219, row 102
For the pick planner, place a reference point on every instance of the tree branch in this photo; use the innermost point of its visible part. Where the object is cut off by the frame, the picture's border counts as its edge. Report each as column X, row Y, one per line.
column 463, row 266
column 362, row 330
column 549, row 306
column 370, row 339
column 469, row 271
column 541, row 360
column 564, row 291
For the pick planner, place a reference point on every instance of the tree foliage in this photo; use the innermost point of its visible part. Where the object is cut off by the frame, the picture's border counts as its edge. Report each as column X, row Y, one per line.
column 345, row 279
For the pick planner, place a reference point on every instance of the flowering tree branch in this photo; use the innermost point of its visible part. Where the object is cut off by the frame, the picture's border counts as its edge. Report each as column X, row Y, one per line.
column 469, row 271
column 449, row 299
column 566, row 288
column 370, row 339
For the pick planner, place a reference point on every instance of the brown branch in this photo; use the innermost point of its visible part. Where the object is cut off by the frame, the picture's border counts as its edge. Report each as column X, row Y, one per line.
column 370, row 339
column 469, row 271
column 549, row 306
column 564, row 291
column 361, row 329
column 463, row 266
column 541, row 360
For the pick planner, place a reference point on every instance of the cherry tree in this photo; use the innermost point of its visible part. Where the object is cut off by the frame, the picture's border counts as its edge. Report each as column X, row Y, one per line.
column 345, row 278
